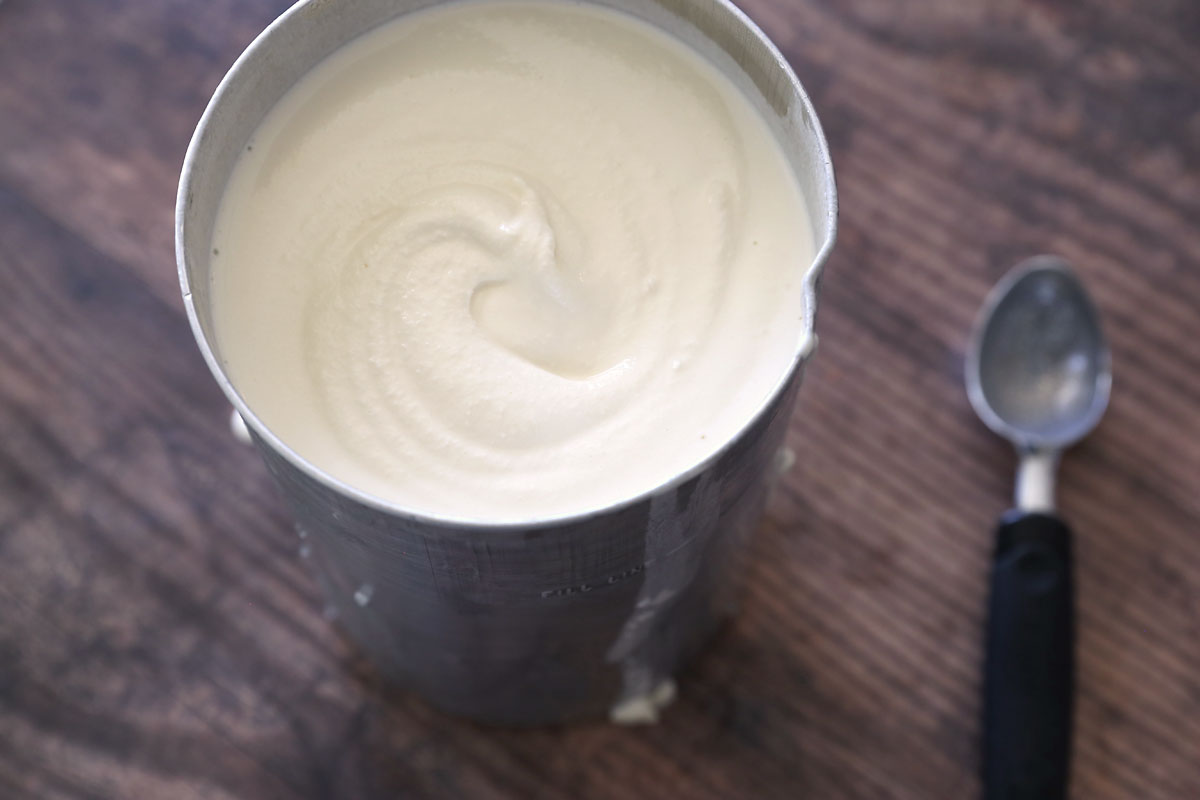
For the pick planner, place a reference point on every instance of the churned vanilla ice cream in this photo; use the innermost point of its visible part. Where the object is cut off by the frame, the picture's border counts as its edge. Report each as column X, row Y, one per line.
column 506, row 261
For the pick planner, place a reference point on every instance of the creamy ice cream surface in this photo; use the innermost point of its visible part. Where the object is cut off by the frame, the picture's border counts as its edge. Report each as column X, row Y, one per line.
column 505, row 261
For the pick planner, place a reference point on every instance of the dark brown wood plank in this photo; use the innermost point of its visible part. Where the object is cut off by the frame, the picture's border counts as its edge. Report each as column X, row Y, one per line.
column 159, row 638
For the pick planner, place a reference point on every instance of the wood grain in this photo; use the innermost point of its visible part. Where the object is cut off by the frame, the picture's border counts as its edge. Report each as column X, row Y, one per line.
column 159, row 639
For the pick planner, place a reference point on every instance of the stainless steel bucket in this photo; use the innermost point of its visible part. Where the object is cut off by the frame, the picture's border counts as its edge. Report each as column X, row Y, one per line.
column 557, row 619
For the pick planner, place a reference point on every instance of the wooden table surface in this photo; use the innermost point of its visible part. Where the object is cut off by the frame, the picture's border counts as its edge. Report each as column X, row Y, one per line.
column 160, row 639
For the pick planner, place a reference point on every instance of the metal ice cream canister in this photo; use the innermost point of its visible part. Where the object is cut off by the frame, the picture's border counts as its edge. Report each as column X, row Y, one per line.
column 557, row 618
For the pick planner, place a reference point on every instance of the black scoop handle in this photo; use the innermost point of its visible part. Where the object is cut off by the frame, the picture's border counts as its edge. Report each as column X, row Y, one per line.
column 1029, row 669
